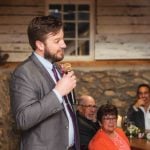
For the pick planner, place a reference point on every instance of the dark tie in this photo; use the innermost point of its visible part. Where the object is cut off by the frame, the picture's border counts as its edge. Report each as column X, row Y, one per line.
column 70, row 109
column 55, row 73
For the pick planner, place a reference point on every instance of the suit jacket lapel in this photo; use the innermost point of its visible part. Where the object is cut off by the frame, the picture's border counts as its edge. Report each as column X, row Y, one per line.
column 46, row 75
column 42, row 69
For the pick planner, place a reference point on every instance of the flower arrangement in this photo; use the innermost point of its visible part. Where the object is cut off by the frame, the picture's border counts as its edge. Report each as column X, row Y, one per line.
column 132, row 131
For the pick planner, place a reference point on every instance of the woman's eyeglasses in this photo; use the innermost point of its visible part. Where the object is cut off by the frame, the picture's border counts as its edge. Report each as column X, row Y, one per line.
column 110, row 118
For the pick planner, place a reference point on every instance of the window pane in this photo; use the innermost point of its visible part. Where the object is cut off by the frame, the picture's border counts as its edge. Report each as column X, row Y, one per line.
column 69, row 29
column 83, row 7
column 55, row 10
column 83, row 12
column 83, row 48
column 76, row 19
column 69, row 12
column 83, row 29
column 70, row 50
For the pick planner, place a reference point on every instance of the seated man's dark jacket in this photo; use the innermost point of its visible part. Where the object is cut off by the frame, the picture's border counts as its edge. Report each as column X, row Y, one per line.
column 87, row 130
column 137, row 117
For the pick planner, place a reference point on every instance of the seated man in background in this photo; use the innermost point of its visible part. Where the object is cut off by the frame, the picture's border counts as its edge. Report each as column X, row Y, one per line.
column 86, row 116
column 139, row 112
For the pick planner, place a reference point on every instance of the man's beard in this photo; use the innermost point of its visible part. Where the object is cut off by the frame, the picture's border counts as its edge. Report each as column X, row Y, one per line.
column 52, row 57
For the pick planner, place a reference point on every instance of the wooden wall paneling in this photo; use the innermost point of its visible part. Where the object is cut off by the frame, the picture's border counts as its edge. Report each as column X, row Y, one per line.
column 123, row 38
column 13, row 38
column 123, row 2
column 123, row 20
column 11, row 29
column 15, row 17
column 123, row 11
column 17, row 56
column 122, row 29
column 21, row 10
column 22, row 2
column 123, row 51
column 15, row 20
column 15, row 47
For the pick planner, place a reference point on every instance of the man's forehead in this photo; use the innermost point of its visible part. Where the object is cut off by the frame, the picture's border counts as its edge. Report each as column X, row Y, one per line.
column 90, row 101
column 57, row 33
column 143, row 89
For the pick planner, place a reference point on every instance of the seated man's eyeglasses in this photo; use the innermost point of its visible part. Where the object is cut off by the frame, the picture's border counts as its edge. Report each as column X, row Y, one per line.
column 89, row 106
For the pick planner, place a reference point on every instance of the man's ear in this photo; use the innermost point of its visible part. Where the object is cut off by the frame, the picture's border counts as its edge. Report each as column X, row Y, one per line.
column 39, row 45
column 78, row 107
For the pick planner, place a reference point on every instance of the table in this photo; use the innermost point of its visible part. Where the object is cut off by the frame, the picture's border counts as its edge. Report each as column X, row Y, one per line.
column 139, row 144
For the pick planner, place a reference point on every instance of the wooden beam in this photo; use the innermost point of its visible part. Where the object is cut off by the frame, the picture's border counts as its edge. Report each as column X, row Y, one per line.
column 16, row 20
column 15, row 47
column 123, row 20
column 123, row 29
column 12, row 29
column 21, row 11
column 123, row 38
column 123, row 2
column 123, row 11
column 13, row 38
column 22, row 2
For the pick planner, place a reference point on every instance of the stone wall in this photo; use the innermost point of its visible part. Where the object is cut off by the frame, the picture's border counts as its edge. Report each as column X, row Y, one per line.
column 118, row 87
column 9, row 136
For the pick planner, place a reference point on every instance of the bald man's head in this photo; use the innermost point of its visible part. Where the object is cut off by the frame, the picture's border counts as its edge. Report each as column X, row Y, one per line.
column 87, row 107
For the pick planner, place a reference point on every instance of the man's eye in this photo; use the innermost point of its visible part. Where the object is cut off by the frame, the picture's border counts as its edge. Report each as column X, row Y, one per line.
column 56, row 41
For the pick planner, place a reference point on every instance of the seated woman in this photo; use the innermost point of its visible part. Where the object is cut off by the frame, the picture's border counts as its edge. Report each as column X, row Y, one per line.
column 109, row 137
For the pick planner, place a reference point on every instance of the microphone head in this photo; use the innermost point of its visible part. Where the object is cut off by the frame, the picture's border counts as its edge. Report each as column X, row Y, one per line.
column 66, row 67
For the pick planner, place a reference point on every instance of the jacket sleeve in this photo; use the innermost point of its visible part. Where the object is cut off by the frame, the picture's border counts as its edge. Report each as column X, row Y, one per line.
column 28, row 106
column 131, row 112
column 137, row 117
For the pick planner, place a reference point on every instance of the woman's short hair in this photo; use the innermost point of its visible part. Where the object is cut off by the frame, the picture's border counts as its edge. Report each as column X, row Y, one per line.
column 106, row 109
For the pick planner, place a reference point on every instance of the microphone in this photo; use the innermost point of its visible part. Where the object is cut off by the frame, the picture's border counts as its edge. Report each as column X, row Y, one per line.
column 65, row 68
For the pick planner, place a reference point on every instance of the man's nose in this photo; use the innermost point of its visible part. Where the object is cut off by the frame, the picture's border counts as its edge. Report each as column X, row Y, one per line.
column 93, row 109
column 143, row 95
column 63, row 45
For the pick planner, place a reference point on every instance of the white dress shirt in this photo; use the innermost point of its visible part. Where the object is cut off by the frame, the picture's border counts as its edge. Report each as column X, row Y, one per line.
column 147, row 117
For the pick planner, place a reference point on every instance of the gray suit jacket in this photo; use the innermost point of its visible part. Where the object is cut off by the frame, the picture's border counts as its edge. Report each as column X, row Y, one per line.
column 36, row 108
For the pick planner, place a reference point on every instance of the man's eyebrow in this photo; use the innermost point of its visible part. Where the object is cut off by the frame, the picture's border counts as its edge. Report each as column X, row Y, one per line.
column 143, row 92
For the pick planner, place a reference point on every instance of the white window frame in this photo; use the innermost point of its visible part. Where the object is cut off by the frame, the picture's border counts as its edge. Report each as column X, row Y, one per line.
column 92, row 27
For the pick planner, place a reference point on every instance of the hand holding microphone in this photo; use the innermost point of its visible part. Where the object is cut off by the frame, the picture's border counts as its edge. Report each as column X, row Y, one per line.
column 66, row 69
column 68, row 81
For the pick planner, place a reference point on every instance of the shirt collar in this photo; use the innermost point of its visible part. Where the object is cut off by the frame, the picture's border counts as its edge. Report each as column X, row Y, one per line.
column 148, row 109
column 45, row 62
